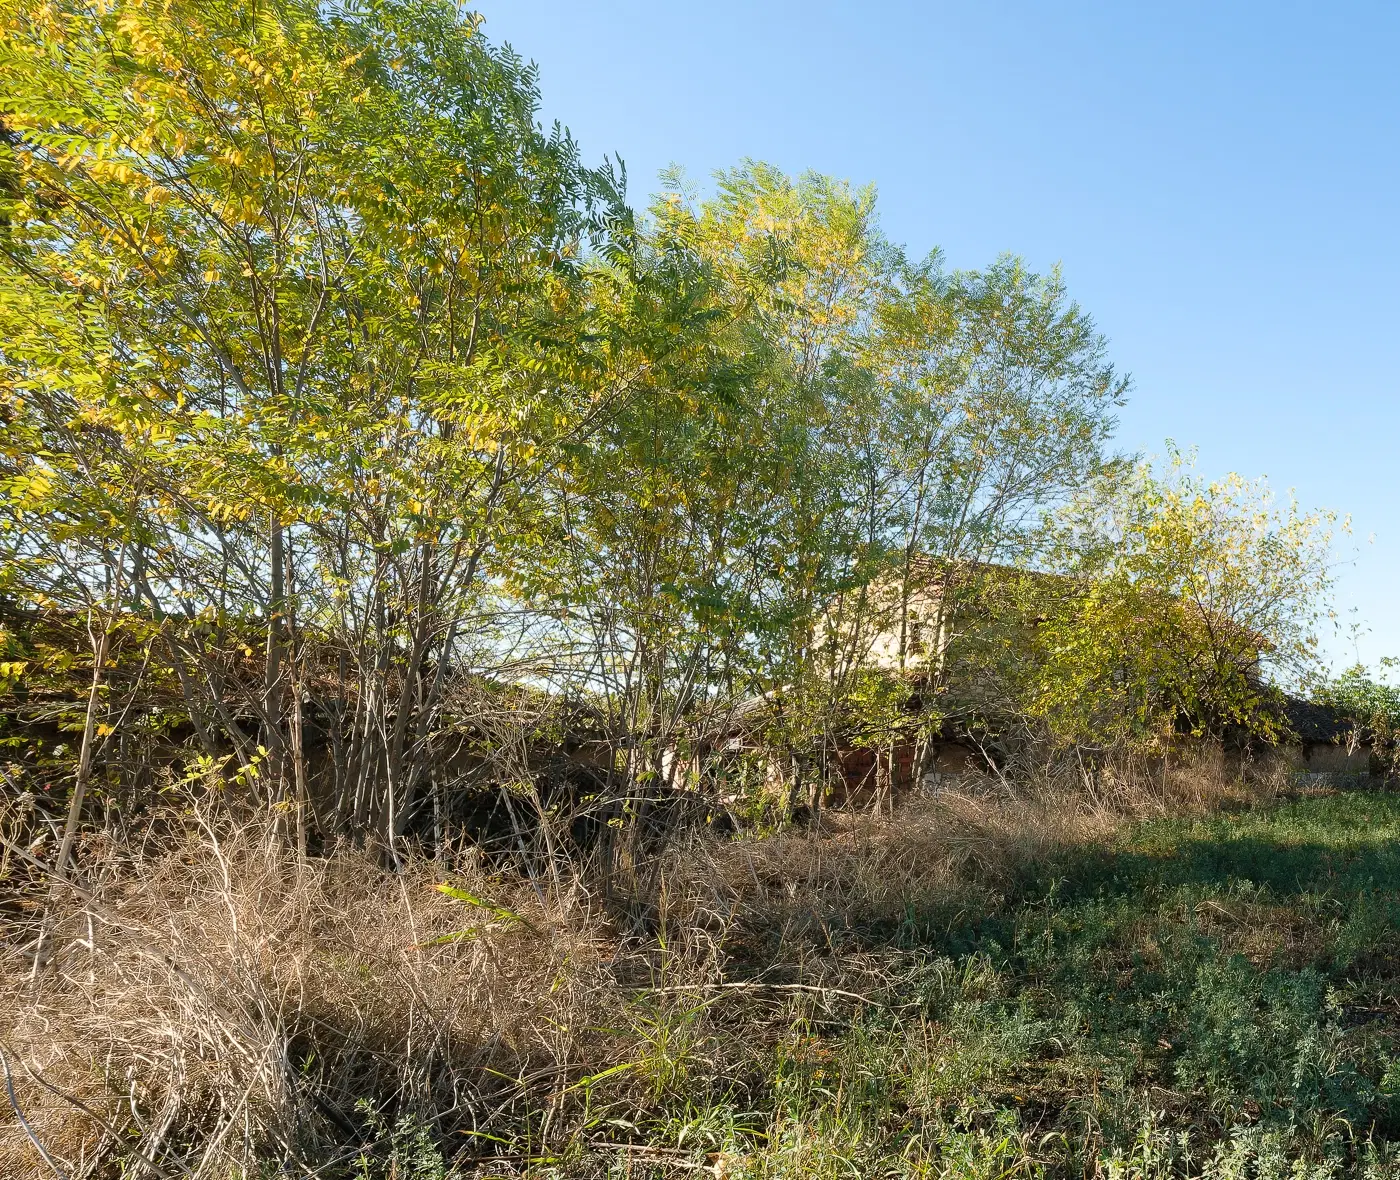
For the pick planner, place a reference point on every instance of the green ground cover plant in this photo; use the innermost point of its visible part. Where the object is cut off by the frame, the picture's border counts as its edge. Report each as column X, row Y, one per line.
column 1211, row 996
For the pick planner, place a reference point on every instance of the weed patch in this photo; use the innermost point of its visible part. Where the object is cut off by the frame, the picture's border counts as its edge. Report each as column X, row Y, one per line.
column 1212, row 996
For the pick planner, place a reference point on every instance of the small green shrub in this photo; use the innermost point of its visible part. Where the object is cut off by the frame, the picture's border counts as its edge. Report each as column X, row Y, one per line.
column 406, row 1149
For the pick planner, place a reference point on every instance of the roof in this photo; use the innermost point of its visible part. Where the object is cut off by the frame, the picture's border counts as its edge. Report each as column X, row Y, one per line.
column 1317, row 724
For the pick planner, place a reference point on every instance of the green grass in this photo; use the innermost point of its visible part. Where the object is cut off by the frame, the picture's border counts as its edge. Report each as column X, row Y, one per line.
column 1213, row 996
column 1230, row 979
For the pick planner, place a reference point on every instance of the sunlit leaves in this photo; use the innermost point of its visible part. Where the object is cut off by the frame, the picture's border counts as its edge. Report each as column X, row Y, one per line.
column 1195, row 600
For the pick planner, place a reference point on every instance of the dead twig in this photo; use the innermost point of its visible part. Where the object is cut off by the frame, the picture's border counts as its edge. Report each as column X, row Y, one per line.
column 74, row 1100
column 23, row 1122
column 760, row 985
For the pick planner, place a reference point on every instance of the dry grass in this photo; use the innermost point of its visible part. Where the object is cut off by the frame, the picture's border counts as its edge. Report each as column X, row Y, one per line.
column 220, row 1002
column 229, row 1002
column 969, row 839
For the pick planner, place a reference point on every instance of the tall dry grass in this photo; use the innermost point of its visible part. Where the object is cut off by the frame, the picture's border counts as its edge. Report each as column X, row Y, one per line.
column 966, row 842
column 228, row 1002
column 218, row 1002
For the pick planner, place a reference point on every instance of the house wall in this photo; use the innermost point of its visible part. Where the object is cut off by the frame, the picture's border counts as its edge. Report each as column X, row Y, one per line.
column 1329, row 758
column 920, row 639
column 864, row 770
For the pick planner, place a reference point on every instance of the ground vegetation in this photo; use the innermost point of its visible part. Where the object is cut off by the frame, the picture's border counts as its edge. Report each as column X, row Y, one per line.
column 437, row 598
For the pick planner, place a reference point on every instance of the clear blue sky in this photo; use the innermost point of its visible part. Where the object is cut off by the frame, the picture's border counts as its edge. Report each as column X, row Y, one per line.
column 1218, row 181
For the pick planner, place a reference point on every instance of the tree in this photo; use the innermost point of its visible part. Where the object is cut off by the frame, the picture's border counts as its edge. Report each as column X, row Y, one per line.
column 1370, row 705
column 1185, row 602
column 857, row 421
column 341, row 391
column 292, row 291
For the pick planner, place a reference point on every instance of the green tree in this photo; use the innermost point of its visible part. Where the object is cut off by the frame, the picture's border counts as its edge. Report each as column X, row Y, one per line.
column 1370, row 705
column 292, row 291
column 1187, row 601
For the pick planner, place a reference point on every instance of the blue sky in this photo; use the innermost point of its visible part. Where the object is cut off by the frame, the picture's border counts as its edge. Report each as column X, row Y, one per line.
column 1218, row 181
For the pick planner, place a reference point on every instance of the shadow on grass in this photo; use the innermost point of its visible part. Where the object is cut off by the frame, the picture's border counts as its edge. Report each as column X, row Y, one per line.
column 1343, row 843
column 1283, row 867
column 1344, row 847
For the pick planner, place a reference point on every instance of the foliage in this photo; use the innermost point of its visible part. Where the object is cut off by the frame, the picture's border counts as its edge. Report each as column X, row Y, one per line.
column 1196, row 994
column 405, row 1149
column 292, row 329
column 1363, row 698
column 1371, row 706
column 321, row 356
column 1200, row 994
column 359, row 418
column 1193, row 603
column 365, row 456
